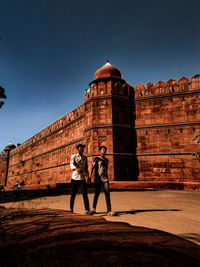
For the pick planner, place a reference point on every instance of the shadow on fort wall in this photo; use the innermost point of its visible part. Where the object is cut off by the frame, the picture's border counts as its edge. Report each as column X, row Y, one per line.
column 126, row 164
column 135, row 169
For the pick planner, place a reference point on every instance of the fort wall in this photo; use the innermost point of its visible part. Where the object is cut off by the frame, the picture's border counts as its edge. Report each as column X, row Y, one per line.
column 44, row 158
column 148, row 131
column 167, row 117
column 3, row 165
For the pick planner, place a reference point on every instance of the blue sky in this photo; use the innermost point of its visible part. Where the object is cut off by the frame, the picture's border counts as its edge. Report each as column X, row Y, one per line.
column 50, row 51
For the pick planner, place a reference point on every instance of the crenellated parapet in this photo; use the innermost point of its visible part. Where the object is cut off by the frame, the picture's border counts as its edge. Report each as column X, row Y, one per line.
column 170, row 87
column 54, row 127
column 98, row 89
column 106, row 89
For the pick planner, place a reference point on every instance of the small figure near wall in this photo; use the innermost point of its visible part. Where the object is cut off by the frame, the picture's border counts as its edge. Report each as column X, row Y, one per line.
column 2, row 188
column 17, row 186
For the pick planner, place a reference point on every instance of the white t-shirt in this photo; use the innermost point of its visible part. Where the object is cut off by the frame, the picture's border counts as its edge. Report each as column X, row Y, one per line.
column 79, row 161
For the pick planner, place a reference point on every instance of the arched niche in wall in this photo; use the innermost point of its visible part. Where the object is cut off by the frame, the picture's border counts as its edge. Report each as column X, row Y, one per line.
column 171, row 86
column 150, row 88
column 195, row 82
column 101, row 88
column 160, row 88
column 94, row 89
column 139, row 90
column 183, row 84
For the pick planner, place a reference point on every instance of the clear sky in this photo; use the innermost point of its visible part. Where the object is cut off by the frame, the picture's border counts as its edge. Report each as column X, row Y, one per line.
column 50, row 50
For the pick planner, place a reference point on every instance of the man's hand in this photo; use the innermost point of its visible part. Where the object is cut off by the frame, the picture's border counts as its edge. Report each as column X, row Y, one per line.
column 89, row 180
column 78, row 169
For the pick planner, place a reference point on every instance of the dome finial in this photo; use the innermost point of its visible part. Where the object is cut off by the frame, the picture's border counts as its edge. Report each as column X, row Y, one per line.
column 107, row 71
column 107, row 61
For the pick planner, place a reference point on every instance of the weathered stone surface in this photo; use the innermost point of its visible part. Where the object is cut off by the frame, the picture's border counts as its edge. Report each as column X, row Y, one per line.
column 45, row 237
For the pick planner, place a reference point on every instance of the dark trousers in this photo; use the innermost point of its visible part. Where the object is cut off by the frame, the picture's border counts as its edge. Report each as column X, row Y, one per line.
column 106, row 192
column 75, row 186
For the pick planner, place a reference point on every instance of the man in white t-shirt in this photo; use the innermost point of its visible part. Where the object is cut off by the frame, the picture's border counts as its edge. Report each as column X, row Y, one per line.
column 79, row 165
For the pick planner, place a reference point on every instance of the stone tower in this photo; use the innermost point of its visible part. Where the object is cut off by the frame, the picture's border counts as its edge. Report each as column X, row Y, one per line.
column 110, row 121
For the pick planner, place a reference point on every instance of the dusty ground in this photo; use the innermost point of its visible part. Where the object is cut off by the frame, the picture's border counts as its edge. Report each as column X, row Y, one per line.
column 176, row 212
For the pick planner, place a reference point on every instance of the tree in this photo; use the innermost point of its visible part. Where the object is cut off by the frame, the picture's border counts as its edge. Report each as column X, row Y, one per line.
column 2, row 95
column 196, row 138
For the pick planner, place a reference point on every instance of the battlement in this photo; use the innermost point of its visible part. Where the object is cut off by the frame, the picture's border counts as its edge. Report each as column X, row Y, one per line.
column 57, row 125
column 170, row 87
column 107, row 88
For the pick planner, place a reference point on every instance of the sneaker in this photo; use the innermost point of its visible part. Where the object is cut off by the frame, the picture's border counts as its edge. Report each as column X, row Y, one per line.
column 92, row 212
column 87, row 212
column 110, row 213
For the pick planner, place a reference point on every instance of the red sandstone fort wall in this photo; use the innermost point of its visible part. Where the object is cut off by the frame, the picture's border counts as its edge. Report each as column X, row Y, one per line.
column 167, row 117
column 3, row 164
column 44, row 158
column 148, row 132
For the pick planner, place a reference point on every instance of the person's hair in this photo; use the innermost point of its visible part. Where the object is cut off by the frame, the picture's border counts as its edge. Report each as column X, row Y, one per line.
column 80, row 145
column 102, row 147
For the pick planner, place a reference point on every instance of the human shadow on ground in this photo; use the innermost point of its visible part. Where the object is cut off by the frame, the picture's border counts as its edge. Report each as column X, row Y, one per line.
column 119, row 213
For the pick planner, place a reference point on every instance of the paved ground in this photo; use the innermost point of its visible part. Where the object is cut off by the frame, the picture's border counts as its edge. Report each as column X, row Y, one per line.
column 176, row 212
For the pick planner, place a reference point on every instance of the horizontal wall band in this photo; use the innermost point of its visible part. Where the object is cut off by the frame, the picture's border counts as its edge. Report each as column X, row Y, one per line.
column 190, row 92
column 103, row 126
column 191, row 123
column 112, row 154
column 68, row 124
column 165, row 154
column 110, row 96
column 64, row 164
column 49, row 151
column 93, row 155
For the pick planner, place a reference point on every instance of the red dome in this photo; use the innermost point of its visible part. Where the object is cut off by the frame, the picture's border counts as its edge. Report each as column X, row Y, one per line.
column 107, row 71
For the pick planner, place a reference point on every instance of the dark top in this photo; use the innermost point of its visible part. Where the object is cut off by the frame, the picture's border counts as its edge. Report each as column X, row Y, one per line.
column 100, row 166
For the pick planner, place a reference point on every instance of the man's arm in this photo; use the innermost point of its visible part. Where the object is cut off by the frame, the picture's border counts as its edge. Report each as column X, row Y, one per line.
column 73, row 164
column 86, row 168
column 87, row 172
column 93, row 166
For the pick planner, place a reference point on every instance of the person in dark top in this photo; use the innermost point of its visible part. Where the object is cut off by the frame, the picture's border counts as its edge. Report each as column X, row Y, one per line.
column 100, row 166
